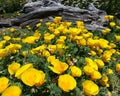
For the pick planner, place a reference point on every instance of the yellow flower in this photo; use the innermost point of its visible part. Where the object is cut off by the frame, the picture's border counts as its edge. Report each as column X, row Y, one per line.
column 48, row 24
column 117, row 52
column 88, row 70
column 96, row 75
column 49, row 37
column 91, row 63
column 112, row 45
column 7, row 38
column 104, row 78
column 52, row 48
column 4, row 82
column 60, row 41
column 104, row 81
column 107, row 55
column 13, row 47
column 74, row 32
column 39, row 49
column 66, row 82
column 62, row 28
column 81, row 42
column 79, row 24
column 12, row 68
column 99, row 62
column 109, row 17
column 90, row 88
column 56, row 32
column 118, row 27
column 60, row 46
column 33, row 76
column 51, row 29
column 23, row 69
column 75, row 71
column 17, row 46
column 42, row 78
column 106, row 17
column 2, row 43
column 58, row 66
column 92, row 53
column 110, row 71
column 87, row 35
column 109, row 93
column 41, row 20
column 112, row 24
column 3, row 30
column 90, row 42
column 63, row 37
column 51, row 58
column 38, row 24
column 46, row 53
column 117, row 67
column 16, row 39
column 105, row 31
column 28, row 27
column 12, row 91
column 11, row 29
column 57, row 19
column 37, row 35
column 24, row 53
column 100, row 51
column 103, row 43
column 117, row 38
column 3, row 52
column 29, row 40
column 66, row 24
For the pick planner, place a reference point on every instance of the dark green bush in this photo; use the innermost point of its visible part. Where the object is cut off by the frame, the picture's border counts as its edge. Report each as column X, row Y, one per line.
column 110, row 6
column 7, row 6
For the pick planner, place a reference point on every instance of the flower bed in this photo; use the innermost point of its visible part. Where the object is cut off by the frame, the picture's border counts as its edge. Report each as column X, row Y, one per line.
column 60, row 59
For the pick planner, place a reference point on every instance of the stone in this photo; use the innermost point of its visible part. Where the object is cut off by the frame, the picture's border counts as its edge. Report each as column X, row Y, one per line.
column 47, row 9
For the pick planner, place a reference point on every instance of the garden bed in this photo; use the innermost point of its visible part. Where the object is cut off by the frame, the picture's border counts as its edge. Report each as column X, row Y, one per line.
column 59, row 59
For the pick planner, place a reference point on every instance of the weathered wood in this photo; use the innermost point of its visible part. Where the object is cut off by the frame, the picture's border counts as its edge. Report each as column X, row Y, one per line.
column 37, row 14
column 46, row 8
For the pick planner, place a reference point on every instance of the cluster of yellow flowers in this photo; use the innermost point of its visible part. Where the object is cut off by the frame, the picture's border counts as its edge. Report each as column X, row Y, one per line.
column 91, row 68
column 90, row 88
column 7, row 90
column 58, row 66
column 109, row 17
column 29, row 75
column 52, row 45
column 12, row 48
column 32, row 39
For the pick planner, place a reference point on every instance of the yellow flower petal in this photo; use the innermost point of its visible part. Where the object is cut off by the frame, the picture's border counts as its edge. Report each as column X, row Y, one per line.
column 66, row 82
column 33, row 76
column 4, row 82
column 22, row 69
column 90, row 88
column 12, row 68
column 12, row 91
column 75, row 71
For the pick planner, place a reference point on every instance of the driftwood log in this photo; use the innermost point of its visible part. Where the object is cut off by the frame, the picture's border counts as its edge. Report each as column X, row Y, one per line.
column 48, row 9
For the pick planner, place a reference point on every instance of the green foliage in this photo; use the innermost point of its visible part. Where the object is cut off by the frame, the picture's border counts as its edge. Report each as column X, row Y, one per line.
column 110, row 6
column 7, row 6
